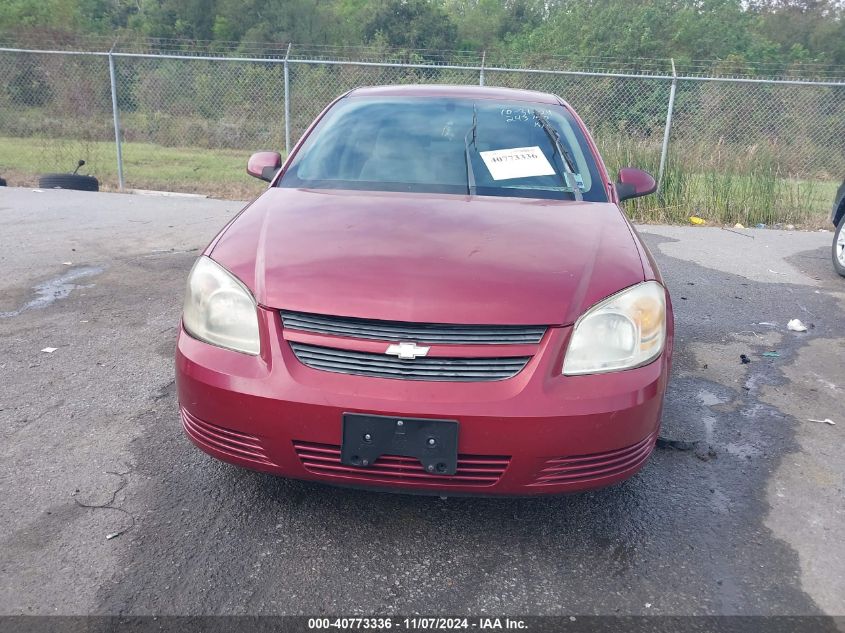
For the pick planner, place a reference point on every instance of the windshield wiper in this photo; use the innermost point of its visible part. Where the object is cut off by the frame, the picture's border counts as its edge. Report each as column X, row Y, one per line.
column 470, row 172
column 566, row 159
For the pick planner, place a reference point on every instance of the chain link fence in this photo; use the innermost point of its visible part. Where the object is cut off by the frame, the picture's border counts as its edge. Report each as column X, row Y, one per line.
column 737, row 148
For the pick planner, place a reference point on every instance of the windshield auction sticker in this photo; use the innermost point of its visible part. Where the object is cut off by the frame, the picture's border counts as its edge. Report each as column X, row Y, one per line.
column 517, row 162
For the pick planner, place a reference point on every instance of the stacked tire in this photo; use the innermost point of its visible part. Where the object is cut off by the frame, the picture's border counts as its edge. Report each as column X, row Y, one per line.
column 69, row 181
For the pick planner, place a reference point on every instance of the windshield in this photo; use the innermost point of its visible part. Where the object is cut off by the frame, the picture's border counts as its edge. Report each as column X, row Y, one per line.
column 435, row 145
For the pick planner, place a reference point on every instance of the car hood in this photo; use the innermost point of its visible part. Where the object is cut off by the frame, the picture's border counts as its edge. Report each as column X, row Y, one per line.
column 430, row 258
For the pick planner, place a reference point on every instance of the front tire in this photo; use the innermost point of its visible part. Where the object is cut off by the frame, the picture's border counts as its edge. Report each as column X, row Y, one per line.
column 839, row 247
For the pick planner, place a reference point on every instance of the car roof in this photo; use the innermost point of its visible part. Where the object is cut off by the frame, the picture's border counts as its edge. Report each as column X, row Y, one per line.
column 457, row 92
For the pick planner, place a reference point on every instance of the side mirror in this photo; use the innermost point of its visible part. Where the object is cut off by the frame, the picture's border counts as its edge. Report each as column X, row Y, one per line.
column 264, row 165
column 633, row 183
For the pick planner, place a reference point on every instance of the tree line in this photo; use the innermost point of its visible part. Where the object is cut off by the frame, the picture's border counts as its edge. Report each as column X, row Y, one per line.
column 765, row 36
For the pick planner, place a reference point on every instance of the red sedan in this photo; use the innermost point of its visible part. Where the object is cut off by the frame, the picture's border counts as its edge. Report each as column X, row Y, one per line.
column 437, row 293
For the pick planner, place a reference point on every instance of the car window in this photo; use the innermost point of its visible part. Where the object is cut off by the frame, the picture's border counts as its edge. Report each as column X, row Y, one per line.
column 419, row 144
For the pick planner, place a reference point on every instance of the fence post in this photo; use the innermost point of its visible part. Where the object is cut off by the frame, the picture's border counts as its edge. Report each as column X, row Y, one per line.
column 287, row 102
column 481, row 74
column 664, row 151
column 116, row 115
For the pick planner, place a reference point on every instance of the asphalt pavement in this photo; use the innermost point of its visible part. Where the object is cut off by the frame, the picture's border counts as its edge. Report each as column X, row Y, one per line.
column 739, row 512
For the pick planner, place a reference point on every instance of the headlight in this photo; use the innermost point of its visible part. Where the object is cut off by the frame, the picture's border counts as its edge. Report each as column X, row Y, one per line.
column 219, row 309
column 624, row 331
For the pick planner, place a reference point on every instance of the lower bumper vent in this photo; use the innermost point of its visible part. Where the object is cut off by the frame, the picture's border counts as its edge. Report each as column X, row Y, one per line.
column 585, row 468
column 233, row 443
column 473, row 470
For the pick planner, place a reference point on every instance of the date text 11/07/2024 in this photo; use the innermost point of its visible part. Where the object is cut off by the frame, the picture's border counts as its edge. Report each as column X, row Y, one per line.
column 416, row 624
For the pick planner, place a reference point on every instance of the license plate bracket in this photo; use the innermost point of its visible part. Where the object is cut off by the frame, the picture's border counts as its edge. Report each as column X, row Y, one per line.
column 368, row 437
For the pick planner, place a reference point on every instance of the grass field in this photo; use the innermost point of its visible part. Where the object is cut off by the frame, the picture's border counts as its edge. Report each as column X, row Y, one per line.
column 727, row 198
column 722, row 196
column 745, row 184
column 218, row 173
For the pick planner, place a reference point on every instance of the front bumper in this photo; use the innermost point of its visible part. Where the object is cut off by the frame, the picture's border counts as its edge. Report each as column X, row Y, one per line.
column 536, row 433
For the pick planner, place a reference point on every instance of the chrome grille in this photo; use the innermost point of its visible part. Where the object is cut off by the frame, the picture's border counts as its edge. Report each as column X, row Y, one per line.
column 429, row 368
column 418, row 332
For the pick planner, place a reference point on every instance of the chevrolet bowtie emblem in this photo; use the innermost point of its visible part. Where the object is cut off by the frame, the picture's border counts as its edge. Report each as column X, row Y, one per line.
column 407, row 351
